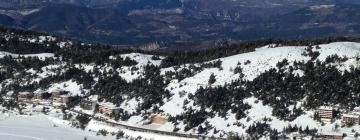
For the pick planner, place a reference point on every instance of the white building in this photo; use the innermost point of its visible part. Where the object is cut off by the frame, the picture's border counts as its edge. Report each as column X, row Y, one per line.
column 60, row 100
column 38, row 96
column 350, row 119
column 107, row 109
column 24, row 96
column 329, row 136
column 326, row 113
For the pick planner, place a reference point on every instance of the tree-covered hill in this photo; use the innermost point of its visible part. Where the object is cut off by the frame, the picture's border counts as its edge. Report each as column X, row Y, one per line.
column 257, row 89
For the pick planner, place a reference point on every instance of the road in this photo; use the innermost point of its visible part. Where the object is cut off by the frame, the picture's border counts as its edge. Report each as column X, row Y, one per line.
column 140, row 129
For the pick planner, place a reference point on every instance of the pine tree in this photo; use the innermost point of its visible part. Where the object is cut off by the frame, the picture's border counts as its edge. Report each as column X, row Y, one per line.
column 212, row 79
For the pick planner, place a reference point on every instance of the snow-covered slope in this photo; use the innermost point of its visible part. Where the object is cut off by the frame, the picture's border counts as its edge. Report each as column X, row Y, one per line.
column 142, row 60
column 40, row 128
column 41, row 56
column 260, row 60
column 253, row 64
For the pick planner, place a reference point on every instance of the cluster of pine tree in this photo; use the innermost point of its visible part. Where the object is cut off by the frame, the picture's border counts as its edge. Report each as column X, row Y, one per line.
column 322, row 83
column 184, row 57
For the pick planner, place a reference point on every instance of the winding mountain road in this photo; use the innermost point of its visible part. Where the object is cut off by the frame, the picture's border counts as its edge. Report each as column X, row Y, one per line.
column 140, row 129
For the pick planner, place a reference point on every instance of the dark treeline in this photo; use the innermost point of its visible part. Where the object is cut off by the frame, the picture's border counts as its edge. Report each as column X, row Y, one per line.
column 95, row 53
column 17, row 41
column 183, row 57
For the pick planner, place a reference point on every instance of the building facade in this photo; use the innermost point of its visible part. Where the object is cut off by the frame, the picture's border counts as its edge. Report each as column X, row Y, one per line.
column 38, row 96
column 24, row 96
column 158, row 119
column 350, row 119
column 329, row 136
column 61, row 100
column 55, row 93
column 88, row 104
column 326, row 113
column 108, row 109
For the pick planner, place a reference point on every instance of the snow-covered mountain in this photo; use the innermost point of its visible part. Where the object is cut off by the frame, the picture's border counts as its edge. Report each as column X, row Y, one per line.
column 260, row 89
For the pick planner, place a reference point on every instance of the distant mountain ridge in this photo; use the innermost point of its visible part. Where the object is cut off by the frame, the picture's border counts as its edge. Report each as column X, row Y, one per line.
column 181, row 22
column 313, row 21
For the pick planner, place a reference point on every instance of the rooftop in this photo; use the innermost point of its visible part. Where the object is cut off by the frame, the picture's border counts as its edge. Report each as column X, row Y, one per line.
column 350, row 115
column 64, row 96
column 109, row 105
column 326, row 108
column 56, row 90
column 39, row 91
column 332, row 133
column 24, row 93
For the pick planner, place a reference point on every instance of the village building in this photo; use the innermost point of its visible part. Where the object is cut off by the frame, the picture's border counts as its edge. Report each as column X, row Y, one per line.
column 296, row 136
column 108, row 109
column 89, row 103
column 326, row 113
column 281, row 137
column 158, row 119
column 329, row 136
column 56, row 100
column 55, row 93
column 24, row 96
column 64, row 99
column 350, row 119
column 38, row 96
column 60, row 100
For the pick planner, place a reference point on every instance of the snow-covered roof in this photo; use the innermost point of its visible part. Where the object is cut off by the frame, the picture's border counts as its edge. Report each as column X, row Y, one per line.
column 159, row 115
column 39, row 91
column 56, row 90
column 109, row 105
column 64, row 96
column 350, row 115
column 331, row 133
column 326, row 108
column 24, row 93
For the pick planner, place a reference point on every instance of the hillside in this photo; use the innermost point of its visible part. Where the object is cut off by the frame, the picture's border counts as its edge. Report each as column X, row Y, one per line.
column 255, row 89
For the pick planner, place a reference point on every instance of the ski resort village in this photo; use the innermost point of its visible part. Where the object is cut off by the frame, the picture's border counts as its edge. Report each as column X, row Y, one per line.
column 102, row 113
column 53, row 88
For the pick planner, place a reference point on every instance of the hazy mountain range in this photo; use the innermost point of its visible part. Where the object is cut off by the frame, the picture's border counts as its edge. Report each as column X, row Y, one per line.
column 137, row 22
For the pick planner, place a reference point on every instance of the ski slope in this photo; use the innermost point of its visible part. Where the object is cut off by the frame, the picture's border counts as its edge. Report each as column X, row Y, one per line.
column 39, row 127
